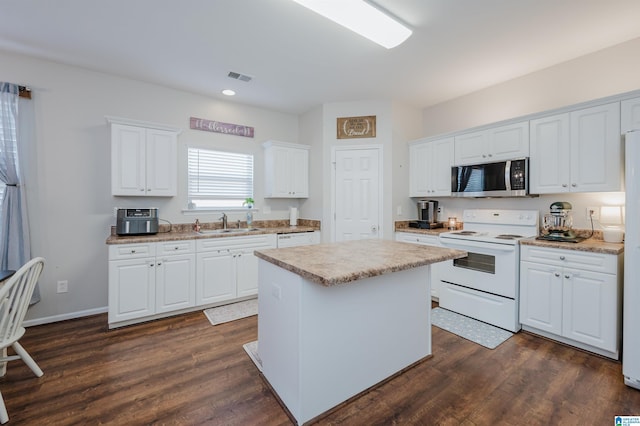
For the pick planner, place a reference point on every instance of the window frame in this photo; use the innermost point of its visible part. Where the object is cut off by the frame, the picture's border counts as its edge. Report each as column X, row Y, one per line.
column 217, row 208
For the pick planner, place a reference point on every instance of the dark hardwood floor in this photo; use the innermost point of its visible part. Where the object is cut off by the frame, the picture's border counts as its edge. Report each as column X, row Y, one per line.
column 184, row 371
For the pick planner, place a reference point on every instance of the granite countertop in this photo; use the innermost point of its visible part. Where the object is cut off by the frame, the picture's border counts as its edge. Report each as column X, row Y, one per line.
column 593, row 245
column 343, row 262
column 403, row 226
column 185, row 231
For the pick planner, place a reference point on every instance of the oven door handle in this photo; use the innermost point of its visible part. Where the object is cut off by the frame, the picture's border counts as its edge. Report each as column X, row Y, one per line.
column 476, row 244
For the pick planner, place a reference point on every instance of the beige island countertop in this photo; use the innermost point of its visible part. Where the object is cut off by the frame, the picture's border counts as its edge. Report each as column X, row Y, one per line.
column 343, row 262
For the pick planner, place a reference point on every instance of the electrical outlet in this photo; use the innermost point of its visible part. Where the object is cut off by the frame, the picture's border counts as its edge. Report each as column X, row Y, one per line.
column 593, row 213
column 63, row 286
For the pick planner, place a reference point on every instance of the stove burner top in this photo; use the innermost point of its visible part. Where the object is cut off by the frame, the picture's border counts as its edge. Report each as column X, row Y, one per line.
column 465, row 232
column 508, row 236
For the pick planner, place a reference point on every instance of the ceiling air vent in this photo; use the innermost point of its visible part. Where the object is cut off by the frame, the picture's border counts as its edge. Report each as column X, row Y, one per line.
column 238, row 76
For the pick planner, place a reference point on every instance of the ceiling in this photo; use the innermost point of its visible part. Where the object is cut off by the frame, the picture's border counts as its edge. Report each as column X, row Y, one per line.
column 299, row 60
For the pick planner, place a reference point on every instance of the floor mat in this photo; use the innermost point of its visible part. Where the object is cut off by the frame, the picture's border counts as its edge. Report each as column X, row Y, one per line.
column 477, row 331
column 231, row 312
column 251, row 349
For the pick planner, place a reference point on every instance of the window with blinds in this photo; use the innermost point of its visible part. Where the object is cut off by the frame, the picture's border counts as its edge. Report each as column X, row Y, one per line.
column 219, row 179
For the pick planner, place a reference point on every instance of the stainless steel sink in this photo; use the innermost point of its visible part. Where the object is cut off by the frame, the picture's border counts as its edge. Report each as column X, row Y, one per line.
column 227, row 231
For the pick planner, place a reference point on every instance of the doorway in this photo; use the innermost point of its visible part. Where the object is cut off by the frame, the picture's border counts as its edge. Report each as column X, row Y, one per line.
column 357, row 197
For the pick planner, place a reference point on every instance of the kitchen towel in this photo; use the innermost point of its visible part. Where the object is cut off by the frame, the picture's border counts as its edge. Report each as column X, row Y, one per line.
column 293, row 216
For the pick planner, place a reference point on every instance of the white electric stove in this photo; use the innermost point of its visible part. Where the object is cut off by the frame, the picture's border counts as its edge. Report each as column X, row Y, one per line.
column 485, row 284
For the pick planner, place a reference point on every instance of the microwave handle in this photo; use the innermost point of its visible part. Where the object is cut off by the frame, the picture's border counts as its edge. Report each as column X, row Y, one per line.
column 507, row 175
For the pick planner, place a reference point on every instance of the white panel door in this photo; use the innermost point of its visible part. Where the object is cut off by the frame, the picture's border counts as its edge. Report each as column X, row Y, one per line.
column 175, row 282
column 357, row 194
column 161, row 163
column 590, row 303
column 596, row 149
column 128, row 150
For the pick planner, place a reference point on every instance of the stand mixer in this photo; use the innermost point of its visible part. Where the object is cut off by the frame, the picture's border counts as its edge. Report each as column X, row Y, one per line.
column 556, row 225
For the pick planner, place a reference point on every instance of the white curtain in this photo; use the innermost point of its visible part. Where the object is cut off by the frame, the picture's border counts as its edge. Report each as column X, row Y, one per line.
column 15, row 249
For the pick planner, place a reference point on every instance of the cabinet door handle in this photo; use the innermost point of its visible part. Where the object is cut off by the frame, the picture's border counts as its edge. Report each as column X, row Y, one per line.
column 567, row 276
column 556, row 274
column 574, row 185
column 564, row 185
column 133, row 251
column 176, row 248
column 562, row 257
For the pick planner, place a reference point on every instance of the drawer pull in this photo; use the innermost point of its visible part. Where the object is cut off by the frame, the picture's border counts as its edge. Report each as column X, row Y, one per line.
column 562, row 257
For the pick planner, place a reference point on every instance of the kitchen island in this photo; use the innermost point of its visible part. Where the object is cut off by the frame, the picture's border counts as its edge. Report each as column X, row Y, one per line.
column 336, row 319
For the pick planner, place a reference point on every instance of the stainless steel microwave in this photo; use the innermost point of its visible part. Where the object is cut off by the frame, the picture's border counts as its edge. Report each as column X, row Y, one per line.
column 508, row 178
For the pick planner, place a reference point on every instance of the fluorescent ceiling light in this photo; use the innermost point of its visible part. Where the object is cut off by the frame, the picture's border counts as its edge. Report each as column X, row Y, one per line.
column 362, row 18
column 228, row 92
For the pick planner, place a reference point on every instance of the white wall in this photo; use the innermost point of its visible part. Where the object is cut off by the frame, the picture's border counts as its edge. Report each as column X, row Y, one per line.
column 68, row 180
column 600, row 74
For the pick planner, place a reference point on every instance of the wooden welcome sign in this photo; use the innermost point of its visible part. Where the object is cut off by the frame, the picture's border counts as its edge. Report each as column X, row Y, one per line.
column 357, row 127
column 220, row 127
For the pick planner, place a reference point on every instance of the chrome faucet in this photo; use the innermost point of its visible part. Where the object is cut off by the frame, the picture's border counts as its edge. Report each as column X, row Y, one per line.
column 224, row 221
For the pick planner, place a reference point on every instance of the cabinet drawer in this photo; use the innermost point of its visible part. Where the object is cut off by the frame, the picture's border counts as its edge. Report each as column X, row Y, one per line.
column 176, row 247
column 232, row 243
column 131, row 251
column 430, row 240
column 597, row 262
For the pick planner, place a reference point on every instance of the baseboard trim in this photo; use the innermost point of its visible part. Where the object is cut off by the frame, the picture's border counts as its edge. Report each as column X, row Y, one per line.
column 63, row 317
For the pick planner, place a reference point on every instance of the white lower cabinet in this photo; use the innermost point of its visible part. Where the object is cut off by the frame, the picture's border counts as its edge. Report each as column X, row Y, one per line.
column 573, row 297
column 427, row 240
column 175, row 276
column 227, row 268
column 153, row 280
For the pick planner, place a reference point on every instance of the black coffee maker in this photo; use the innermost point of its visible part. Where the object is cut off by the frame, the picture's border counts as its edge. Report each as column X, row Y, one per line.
column 427, row 215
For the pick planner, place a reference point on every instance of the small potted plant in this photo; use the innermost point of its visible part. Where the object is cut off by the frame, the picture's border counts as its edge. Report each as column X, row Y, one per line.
column 249, row 203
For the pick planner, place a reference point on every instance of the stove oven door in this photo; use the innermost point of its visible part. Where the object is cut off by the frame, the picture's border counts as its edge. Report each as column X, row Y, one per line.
column 488, row 267
column 483, row 285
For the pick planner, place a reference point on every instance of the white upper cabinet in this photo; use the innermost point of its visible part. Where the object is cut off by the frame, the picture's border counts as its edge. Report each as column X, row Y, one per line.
column 579, row 151
column 496, row 144
column 630, row 114
column 430, row 168
column 143, row 160
column 286, row 170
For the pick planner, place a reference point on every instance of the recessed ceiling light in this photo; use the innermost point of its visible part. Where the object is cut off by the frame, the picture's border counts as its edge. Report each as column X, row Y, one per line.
column 362, row 18
column 228, row 92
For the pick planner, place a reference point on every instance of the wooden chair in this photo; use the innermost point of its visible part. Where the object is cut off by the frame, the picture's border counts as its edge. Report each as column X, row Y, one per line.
column 15, row 295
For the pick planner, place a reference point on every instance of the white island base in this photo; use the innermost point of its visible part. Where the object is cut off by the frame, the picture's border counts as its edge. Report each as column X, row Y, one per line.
column 321, row 345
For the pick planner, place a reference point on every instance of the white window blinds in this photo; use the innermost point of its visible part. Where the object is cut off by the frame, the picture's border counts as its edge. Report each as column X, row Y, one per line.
column 219, row 179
